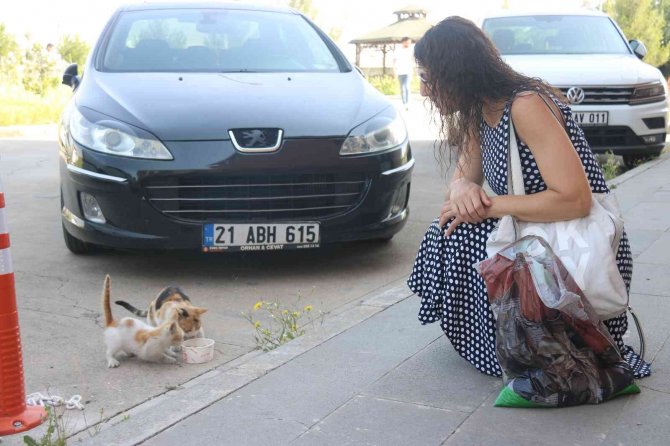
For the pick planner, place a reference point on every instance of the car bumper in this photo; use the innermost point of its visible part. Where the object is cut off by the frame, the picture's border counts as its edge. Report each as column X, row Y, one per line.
column 126, row 191
column 631, row 129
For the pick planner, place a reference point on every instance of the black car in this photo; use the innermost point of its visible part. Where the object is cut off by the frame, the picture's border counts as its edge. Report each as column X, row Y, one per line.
column 226, row 127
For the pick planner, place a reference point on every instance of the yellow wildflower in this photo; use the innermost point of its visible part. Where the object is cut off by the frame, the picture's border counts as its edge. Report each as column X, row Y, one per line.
column 285, row 311
column 257, row 324
column 258, row 305
column 308, row 308
column 296, row 314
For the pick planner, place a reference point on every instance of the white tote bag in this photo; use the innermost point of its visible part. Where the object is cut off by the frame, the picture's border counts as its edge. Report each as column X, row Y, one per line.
column 586, row 246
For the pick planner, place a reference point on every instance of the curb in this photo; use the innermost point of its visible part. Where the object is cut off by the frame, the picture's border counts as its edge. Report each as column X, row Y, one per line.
column 616, row 181
column 143, row 421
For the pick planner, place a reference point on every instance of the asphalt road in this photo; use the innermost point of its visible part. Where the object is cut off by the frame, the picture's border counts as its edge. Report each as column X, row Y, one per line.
column 59, row 293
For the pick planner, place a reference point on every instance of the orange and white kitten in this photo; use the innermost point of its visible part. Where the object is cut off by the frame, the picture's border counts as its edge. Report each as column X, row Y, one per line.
column 134, row 337
column 171, row 302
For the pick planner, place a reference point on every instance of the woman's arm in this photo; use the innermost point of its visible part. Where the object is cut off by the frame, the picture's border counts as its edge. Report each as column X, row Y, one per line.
column 465, row 194
column 568, row 193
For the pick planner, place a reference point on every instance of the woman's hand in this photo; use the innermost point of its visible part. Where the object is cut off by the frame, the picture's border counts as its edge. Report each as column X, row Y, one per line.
column 469, row 200
column 466, row 202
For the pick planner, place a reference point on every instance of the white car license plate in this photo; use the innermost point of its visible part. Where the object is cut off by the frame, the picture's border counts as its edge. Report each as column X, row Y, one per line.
column 260, row 236
column 586, row 118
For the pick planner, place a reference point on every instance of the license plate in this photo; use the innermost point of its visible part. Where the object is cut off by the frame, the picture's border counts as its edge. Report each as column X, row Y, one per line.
column 585, row 118
column 260, row 237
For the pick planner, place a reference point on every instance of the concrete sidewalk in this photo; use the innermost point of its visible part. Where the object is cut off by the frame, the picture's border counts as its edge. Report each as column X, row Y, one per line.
column 373, row 375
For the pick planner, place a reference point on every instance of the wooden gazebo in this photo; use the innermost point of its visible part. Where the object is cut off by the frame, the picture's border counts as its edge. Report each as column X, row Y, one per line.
column 411, row 23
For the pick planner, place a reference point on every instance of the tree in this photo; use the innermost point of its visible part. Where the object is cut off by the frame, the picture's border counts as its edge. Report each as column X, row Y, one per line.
column 8, row 56
column 38, row 71
column 643, row 20
column 73, row 49
column 304, row 6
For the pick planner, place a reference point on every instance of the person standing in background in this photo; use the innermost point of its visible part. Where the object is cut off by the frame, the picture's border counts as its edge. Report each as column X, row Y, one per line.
column 403, row 64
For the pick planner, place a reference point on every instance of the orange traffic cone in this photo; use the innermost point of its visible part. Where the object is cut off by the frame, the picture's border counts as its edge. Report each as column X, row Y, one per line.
column 15, row 416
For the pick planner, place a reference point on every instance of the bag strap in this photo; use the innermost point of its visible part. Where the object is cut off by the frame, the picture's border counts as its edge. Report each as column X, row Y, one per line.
column 514, row 173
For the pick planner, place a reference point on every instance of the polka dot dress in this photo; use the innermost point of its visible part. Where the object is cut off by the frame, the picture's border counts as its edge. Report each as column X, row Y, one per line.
column 450, row 289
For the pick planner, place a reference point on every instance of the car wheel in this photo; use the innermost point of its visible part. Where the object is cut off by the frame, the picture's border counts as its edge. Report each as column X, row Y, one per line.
column 631, row 161
column 75, row 245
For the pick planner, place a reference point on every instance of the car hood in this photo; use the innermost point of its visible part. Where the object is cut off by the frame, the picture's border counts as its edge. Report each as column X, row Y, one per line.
column 204, row 106
column 585, row 69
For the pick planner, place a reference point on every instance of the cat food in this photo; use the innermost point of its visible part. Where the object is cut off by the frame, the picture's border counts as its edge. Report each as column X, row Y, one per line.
column 197, row 350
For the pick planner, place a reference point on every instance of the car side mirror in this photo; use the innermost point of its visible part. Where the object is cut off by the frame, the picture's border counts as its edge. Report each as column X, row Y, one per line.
column 638, row 48
column 71, row 76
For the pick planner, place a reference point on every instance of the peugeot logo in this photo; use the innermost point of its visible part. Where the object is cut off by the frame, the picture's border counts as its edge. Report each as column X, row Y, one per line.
column 256, row 140
column 575, row 95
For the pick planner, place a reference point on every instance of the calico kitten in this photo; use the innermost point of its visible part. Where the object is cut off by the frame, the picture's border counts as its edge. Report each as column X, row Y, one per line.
column 170, row 303
column 134, row 337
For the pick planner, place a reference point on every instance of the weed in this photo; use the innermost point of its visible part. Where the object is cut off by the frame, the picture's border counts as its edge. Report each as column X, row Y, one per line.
column 610, row 166
column 55, row 434
column 285, row 323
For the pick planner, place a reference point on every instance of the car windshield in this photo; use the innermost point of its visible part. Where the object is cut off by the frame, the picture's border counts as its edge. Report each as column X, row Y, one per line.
column 215, row 40
column 556, row 34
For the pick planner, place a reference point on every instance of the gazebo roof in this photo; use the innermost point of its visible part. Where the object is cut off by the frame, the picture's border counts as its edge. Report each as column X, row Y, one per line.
column 411, row 9
column 412, row 28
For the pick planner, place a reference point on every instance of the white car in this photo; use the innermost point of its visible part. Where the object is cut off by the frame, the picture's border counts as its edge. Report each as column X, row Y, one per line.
column 620, row 101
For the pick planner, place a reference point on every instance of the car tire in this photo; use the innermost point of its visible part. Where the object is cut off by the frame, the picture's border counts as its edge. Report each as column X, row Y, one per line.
column 75, row 245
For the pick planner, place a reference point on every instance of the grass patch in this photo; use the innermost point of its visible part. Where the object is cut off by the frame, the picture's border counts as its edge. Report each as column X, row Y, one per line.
column 19, row 107
column 611, row 167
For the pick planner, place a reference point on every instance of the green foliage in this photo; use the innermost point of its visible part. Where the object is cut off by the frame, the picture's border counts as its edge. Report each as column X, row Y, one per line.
column 19, row 107
column 73, row 49
column 304, row 6
column 389, row 85
column 55, row 434
column 644, row 20
column 284, row 323
column 9, row 59
column 39, row 74
column 386, row 84
column 610, row 167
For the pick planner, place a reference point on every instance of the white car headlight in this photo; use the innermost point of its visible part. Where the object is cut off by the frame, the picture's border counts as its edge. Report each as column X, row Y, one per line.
column 383, row 132
column 115, row 138
column 644, row 94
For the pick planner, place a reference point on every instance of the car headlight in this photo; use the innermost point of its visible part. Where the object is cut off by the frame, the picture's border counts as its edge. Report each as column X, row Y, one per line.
column 116, row 138
column 648, row 93
column 384, row 131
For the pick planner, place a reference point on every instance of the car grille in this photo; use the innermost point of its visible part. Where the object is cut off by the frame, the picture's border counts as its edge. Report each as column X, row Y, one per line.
column 611, row 136
column 257, row 198
column 604, row 95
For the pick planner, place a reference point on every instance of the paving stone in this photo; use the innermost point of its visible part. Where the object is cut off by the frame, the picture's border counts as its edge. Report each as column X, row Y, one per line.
column 650, row 216
column 367, row 420
column 581, row 425
column 660, row 370
column 437, row 377
column 658, row 252
column 641, row 239
column 651, row 279
column 646, row 422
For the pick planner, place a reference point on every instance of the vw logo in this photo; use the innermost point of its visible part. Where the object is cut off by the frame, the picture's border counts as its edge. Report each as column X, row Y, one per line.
column 575, row 95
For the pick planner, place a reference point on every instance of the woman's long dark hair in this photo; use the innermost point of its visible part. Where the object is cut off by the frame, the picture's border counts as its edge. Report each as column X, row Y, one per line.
column 464, row 68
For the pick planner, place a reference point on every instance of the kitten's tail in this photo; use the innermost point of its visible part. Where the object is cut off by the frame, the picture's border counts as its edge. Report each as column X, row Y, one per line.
column 107, row 308
column 135, row 311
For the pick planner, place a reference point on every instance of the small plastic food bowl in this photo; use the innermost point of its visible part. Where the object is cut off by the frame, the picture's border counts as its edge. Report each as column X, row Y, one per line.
column 197, row 350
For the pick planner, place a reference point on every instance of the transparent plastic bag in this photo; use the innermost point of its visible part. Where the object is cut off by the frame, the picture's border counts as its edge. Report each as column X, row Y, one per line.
column 552, row 347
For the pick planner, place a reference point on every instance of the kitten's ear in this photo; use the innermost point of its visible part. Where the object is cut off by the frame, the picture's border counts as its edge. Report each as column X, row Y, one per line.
column 183, row 312
column 200, row 310
column 174, row 327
